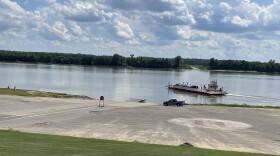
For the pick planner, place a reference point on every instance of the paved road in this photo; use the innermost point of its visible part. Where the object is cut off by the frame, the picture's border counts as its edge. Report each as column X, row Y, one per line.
column 238, row 129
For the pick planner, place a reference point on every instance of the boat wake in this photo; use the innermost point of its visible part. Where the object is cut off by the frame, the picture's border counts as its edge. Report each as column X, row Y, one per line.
column 254, row 97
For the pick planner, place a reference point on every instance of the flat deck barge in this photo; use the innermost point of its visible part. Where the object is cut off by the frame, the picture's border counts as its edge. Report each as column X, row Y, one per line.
column 212, row 88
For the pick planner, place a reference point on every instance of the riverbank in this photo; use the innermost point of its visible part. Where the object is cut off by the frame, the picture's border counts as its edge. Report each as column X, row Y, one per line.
column 220, row 128
column 36, row 93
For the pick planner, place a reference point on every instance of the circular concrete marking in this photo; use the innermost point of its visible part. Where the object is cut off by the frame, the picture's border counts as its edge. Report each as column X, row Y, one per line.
column 210, row 123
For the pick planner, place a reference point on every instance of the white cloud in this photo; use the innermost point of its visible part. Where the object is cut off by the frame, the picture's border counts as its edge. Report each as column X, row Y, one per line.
column 207, row 16
column 76, row 29
column 184, row 32
column 78, row 33
column 11, row 15
column 61, row 31
column 236, row 20
column 133, row 41
column 82, row 11
column 225, row 6
column 123, row 30
column 224, row 29
column 11, row 6
column 241, row 22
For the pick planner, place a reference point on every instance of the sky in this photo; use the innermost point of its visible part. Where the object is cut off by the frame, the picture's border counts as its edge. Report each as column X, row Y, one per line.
column 223, row 29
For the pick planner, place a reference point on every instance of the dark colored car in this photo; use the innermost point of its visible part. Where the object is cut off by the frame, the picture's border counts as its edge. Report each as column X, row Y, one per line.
column 173, row 102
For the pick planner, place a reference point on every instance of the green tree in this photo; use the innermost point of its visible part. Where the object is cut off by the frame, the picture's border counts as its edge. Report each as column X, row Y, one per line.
column 178, row 62
column 118, row 60
column 213, row 63
column 270, row 66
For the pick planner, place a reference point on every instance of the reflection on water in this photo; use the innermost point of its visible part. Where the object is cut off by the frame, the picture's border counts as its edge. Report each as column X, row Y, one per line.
column 150, row 84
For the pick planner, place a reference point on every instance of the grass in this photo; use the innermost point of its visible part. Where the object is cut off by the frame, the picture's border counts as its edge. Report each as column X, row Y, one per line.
column 34, row 93
column 237, row 105
column 186, row 67
column 200, row 67
column 18, row 143
column 29, row 93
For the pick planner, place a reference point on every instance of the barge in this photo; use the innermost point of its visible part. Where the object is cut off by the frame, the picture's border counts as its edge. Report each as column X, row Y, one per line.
column 211, row 89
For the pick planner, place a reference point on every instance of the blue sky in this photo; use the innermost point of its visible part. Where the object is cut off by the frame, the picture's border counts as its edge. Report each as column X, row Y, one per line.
column 229, row 29
column 263, row 2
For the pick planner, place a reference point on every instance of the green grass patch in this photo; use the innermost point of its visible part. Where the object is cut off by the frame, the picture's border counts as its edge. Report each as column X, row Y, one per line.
column 29, row 93
column 200, row 67
column 186, row 67
column 35, row 93
column 18, row 143
column 237, row 105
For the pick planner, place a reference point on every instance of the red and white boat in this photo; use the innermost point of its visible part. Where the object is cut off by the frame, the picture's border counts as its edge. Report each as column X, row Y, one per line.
column 211, row 89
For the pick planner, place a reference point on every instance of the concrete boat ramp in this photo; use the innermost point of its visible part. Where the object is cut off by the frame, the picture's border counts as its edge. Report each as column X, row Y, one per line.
column 224, row 128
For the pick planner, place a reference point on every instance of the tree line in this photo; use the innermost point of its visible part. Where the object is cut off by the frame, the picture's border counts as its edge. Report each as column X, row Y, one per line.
column 145, row 62
column 271, row 66
column 195, row 61
column 86, row 59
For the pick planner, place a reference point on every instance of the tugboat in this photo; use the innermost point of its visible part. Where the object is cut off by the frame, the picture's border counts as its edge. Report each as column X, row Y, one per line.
column 211, row 89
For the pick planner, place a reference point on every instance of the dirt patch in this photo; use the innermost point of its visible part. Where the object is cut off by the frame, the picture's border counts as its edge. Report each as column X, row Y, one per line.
column 210, row 123
column 186, row 144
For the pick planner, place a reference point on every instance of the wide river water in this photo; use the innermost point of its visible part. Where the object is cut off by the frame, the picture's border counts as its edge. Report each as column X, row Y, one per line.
column 150, row 84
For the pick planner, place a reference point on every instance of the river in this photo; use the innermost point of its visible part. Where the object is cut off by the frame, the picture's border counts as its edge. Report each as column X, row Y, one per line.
column 150, row 84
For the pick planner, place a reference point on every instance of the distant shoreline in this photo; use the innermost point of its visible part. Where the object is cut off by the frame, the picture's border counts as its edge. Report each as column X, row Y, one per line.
column 100, row 66
column 189, row 67
column 92, row 60
column 129, row 67
column 138, row 61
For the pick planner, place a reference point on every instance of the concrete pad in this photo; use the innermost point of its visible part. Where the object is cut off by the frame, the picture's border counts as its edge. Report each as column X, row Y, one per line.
column 224, row 128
